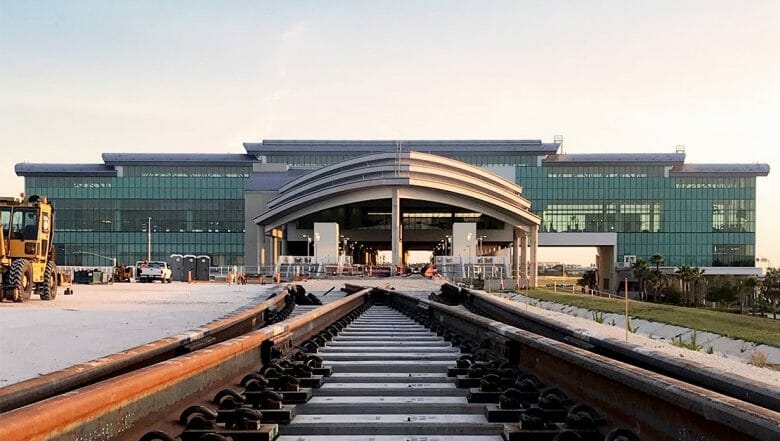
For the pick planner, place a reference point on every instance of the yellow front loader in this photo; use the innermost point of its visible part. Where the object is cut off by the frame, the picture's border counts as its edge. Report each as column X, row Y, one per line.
column 26, row 248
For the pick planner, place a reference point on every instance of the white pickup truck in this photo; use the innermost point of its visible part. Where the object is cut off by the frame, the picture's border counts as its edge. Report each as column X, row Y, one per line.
column 154, row 271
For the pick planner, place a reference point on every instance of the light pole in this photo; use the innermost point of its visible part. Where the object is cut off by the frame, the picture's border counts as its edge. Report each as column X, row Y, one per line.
column 149, row 240
column 344, row 246
column 481, row 244
column 468, row 240
column 308, row 244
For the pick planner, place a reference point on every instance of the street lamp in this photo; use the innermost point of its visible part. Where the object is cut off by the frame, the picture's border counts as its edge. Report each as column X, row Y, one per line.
column 344, row 246
column 149, row 240
column 468, row 240
column 481, row 243
column 308, row 243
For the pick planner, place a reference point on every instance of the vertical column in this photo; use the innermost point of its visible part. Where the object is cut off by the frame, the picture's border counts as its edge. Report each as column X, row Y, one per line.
column 516, row 253
column 275, row 251
column 283, row 248
column 606, row 268
column 534, row 264
column 395, row 219
column 261, row 246
column 524, row 257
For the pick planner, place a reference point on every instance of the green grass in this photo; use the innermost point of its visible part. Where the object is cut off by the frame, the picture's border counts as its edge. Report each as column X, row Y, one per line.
column 755, row 329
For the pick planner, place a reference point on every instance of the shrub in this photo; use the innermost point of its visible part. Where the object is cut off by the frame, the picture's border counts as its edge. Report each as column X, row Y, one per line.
column 759, row 359
column 671, row 295
column 692, row 344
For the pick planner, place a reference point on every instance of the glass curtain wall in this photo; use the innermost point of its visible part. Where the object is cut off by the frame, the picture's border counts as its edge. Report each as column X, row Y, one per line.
column 703, row 221
column 193, row 210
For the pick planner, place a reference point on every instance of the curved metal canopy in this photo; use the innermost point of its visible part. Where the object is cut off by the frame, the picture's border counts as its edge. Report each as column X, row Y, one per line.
column 415, row 175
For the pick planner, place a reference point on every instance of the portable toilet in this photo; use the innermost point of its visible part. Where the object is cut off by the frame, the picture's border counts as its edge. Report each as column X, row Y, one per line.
column 202, row 267
column 188, row 267
column 176, row 264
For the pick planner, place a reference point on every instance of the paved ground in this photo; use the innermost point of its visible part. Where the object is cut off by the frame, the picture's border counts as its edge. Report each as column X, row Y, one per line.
column 38, row 337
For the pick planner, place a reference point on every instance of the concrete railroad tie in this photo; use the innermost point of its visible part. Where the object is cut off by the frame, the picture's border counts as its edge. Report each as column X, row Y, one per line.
column 389, row 383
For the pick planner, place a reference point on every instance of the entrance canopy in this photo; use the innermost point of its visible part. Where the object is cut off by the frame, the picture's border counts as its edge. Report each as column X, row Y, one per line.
column 396, row 176
column 409, row 175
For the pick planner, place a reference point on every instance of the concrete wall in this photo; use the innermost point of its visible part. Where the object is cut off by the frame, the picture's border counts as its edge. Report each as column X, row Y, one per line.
column 326, row 242
column 255, row 202
column 464, row 241
column 606, row 268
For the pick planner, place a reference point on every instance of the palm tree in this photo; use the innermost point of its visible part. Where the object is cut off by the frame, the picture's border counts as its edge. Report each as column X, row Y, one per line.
column 685, row 273
column 660, row 280
column 588, row 279
column 641, row 274
column 771, row 288
column 658, row 260
column 697, row 275
column 746, row 289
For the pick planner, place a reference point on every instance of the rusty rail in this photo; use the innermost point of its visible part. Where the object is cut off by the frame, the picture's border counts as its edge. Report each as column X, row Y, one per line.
column 512, row 313
column 104, row 410
column 654, row 405
column 74, row 377
column 651, row 404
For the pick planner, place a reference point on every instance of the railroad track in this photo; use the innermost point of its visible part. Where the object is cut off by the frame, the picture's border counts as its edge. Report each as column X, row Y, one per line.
column 358, row 368
column 279, row 306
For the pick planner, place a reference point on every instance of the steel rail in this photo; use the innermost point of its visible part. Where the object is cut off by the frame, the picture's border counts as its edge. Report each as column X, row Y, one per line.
column 106, row 409
column 654, row 405
column 80, row 375
column 512, row 313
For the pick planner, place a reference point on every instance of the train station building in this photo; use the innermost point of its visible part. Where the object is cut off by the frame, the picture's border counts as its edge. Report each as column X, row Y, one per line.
column 399, row 196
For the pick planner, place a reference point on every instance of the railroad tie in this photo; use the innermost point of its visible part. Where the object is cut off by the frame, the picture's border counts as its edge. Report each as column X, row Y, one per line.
column 389, row 382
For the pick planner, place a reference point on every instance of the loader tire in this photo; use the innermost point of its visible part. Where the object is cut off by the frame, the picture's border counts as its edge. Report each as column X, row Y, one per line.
column 48, row 288
column 20, row 280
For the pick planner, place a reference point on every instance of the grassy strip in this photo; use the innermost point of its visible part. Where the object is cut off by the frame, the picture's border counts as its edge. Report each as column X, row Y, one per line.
column 754, row 329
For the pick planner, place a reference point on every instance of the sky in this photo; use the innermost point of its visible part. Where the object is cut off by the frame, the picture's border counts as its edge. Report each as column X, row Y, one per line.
column 79, row 78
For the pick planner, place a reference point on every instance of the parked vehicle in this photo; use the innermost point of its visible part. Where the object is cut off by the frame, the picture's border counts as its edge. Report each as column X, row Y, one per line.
column 27, row 248
column 151, row 271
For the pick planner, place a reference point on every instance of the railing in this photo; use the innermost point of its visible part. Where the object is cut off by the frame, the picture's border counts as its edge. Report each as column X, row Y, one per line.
column 484, row 267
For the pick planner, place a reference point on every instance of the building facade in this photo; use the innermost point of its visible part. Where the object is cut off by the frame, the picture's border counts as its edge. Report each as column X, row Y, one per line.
column 194, row 204
column 629, row 206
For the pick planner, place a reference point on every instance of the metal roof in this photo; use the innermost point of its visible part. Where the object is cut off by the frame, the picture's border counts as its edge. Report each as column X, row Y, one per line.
column 720, row 170
column 180, row 159
column 28, row 169
column 527, row 146
column 594, row 159
column 272, row 181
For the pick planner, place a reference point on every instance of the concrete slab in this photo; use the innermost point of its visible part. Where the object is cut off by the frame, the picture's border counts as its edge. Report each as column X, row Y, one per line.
column 341, row 338
column 387, row 400
column 386, row 333
column 389, row 405
column 372, row 366
column 388, row 438
column 390, row 377
column 364, row 349
column 100, row 320
column 345, row 343
column 389, row 389
column 389, row 356
column 379, row 419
